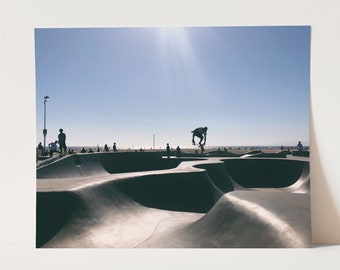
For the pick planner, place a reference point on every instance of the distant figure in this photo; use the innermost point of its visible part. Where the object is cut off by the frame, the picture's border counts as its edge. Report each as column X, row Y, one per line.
column 90, row 150
column 40, row 149
column 168, row 150
column 299, row 146
column 281, row 148
column 62, row 141
column 114, row 148
column 83, row 150
column 106, row 148
column 201, row 133
column 178, row 151
column 53, row 148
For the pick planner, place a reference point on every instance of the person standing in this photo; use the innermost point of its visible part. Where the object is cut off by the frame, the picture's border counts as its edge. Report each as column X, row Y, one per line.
column 62, row 141
column 178, row 151
column 114, row 148
column 168, row 150
column 40, row 149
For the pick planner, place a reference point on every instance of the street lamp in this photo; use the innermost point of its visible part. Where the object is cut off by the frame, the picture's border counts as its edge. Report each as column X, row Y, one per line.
column 45, row 130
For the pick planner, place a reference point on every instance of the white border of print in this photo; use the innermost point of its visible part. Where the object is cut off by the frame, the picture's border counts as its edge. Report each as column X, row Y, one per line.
column 17, row 22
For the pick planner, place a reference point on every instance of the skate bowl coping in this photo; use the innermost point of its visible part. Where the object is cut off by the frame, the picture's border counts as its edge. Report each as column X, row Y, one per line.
column 215, row 189
column 95, row 164
column 266, row 172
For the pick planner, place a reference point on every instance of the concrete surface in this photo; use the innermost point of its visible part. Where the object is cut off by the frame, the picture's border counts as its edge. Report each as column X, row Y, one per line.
column 141, row 200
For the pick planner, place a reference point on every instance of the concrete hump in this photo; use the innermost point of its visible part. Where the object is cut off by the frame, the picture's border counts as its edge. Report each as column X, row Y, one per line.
column 129, row 200
column 243, row 219
column 97, row 164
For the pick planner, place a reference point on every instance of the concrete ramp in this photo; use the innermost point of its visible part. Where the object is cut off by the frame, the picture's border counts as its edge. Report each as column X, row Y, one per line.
column 243, row 219
column 100, row 200
column 95, row 164
column 265, row 172
column 120, row 213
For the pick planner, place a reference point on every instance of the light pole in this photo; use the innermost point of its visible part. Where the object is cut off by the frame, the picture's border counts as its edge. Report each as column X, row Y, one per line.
column 45, row 130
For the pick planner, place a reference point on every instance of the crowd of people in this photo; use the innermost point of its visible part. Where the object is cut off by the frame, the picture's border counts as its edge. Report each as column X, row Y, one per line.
column 61, row 142
column 59, row 146
column 53, row 146
column 200, row 132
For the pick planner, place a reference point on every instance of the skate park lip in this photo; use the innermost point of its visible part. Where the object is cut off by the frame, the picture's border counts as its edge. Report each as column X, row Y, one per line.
column 184, row 192
column 77, row 171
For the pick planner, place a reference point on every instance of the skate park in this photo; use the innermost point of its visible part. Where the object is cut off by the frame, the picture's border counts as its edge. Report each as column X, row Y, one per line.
column 147, row 200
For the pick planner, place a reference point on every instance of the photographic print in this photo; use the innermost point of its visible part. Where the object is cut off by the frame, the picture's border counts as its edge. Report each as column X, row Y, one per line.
column 173, row 137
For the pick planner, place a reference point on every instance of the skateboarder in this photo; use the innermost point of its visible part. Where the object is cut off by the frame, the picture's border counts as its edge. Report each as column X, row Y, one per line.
column 201, row 133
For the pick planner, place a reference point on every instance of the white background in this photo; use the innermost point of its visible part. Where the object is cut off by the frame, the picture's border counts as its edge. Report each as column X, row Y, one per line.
column 17, row 111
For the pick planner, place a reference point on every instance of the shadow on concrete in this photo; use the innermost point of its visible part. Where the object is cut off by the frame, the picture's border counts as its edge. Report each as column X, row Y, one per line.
column 206, row 203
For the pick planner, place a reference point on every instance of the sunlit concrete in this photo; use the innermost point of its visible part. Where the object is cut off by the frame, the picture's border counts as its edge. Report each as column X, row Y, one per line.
column 139, row 200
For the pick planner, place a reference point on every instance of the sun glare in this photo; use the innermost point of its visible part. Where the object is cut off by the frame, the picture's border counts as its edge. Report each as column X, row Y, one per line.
column 180, row 66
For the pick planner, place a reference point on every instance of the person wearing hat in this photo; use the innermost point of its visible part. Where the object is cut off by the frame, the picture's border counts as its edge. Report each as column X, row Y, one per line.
column 62, row 141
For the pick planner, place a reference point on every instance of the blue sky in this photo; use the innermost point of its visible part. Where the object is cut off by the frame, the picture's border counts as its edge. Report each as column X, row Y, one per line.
column 248, row 85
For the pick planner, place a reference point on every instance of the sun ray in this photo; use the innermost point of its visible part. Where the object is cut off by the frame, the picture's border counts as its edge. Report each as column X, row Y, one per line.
column 182, row 70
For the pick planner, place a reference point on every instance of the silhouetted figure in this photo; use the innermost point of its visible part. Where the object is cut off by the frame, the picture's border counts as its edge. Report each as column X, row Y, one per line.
column 114, row 148
column 201, row 133
column 83, row 150
column 40, row 149
column 106, row 148
column 299, row 146
column 168, row 150
column 178, row 151
column 281, row 148
column 90, row 150
column 53, row 148
column 62, row 141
